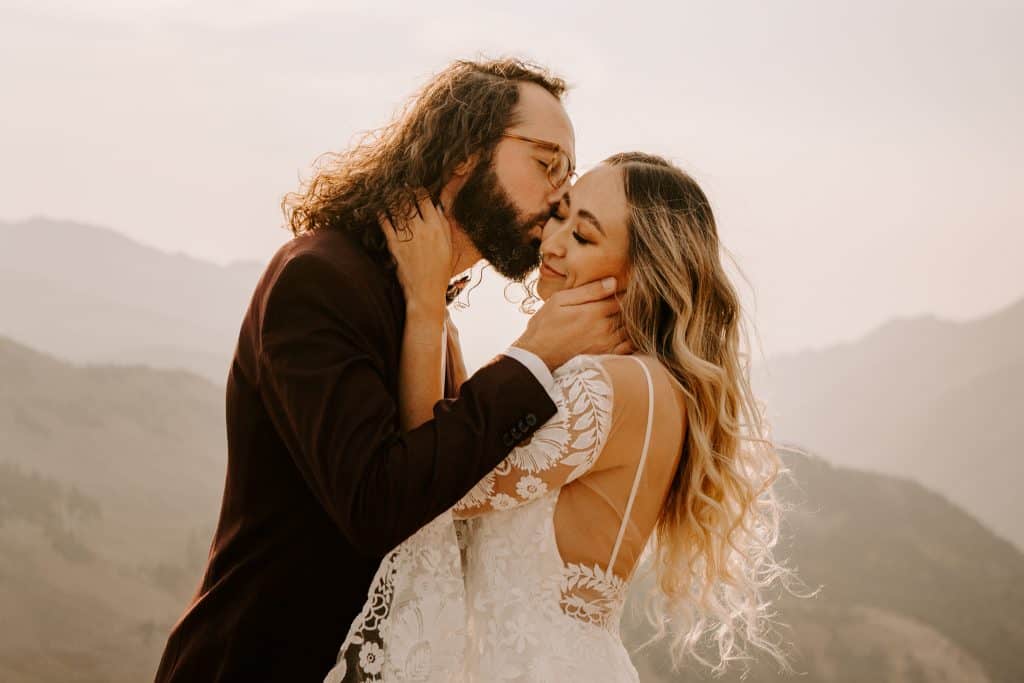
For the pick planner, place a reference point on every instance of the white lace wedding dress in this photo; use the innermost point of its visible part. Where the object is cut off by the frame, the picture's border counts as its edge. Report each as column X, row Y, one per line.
column 525, row 579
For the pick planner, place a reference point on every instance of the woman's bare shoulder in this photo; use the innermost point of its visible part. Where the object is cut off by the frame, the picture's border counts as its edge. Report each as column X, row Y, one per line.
column 635, row 401
column 628, row 377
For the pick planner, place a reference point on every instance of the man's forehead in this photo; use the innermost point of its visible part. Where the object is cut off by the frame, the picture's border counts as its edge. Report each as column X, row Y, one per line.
column 541, row 115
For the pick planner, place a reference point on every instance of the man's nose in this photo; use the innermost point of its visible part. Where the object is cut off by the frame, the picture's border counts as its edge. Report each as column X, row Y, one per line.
column 554, row 197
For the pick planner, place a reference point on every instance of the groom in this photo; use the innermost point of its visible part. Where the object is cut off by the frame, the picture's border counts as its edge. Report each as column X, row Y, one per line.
column 320, row 481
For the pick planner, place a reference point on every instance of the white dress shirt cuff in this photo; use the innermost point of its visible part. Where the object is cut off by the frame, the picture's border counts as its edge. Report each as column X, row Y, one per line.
column 536, row 366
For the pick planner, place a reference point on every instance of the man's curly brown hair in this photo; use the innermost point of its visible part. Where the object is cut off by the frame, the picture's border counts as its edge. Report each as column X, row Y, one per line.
column 463, row 110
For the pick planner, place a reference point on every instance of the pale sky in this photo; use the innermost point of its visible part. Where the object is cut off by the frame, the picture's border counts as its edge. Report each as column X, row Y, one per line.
column 865, row 161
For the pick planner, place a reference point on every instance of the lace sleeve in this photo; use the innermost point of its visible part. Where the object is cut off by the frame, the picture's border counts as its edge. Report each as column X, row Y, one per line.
column 563, row 449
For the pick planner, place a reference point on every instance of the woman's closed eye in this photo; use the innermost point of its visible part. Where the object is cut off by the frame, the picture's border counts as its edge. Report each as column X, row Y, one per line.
column 578, row 236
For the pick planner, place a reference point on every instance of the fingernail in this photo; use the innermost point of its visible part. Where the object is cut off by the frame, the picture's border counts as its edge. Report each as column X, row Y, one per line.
column 609, row 284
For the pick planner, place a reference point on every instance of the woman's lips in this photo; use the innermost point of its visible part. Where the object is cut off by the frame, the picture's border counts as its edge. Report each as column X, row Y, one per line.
column 548, row 271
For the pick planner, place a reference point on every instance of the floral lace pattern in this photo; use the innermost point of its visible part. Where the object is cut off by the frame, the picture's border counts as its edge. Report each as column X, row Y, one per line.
column 413, row 622
column 532, row 617
column 592, row 595
column 562, row 450
column 487, row 596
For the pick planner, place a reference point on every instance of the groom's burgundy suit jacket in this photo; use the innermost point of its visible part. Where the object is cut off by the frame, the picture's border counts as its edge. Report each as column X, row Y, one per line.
column 320, row 482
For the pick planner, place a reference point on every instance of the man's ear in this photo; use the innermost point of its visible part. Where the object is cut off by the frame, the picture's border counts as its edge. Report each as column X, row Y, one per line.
column 466, row 165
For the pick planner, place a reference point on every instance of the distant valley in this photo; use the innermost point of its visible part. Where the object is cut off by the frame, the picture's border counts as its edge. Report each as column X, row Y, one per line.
column 112, row 457
column 89, row 294
column 930, row 400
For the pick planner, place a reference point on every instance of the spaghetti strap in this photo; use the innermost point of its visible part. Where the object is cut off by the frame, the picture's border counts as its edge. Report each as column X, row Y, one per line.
column 639, row 467
column 444, row 359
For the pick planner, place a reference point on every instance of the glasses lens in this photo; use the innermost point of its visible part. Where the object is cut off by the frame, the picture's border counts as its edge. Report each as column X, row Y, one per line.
column 558, row 169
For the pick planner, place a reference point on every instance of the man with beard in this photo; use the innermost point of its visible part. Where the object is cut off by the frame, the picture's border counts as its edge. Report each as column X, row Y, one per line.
column 321, row 482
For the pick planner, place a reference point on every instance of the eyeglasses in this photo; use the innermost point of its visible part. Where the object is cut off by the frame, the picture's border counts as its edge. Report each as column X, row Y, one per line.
column 560, row 167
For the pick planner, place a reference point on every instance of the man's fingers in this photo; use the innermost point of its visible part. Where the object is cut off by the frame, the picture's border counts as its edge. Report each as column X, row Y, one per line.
column 592, row 291
column 615, row 328
column 387, row 228
column 434, row 214
column 624, row 349
column 605, row 308
column 594, row 312
column 433, row 222
column 425, row 208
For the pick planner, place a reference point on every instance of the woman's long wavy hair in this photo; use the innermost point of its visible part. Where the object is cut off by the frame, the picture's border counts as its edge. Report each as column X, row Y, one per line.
column 712, row 554
column 460, row 112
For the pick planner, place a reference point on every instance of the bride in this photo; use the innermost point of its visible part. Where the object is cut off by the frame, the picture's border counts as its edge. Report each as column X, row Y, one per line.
column 526, row 577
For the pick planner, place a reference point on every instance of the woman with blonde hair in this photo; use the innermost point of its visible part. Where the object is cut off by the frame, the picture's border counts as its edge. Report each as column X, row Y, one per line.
column 665, row 449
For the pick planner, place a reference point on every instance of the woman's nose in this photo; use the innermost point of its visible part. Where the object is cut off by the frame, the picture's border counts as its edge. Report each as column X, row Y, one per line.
column 552, row 244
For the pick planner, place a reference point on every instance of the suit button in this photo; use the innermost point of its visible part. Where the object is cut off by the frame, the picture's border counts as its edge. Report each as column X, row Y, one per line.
column 531, row 419
column 523, row 427
column 515, row 433
column 507, row 440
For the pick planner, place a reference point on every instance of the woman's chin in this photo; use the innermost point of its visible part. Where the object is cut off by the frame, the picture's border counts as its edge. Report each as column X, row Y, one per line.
column 545, row 288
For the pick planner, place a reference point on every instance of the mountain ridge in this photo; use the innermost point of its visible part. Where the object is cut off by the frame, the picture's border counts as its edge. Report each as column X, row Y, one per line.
column 96, row 584
column 116, row 237
column 99, row 296
column 934, row 401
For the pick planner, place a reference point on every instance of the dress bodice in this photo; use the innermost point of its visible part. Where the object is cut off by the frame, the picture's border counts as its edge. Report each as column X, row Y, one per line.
column 532, row 585
column 527, row 620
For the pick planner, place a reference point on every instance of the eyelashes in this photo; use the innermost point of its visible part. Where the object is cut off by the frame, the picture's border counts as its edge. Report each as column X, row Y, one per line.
column 576, row 235
column 555, row 214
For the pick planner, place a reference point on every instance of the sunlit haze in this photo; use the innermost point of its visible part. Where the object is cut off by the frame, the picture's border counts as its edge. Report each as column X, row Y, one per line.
column 865, row 160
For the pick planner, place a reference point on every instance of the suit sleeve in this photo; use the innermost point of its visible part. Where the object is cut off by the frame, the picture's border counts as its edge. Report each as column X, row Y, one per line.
column 321, row 381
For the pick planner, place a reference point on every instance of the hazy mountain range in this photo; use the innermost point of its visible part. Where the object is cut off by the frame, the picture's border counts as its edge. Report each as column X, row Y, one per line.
column 110, row 476
column 89, row 294
column 938, row 402
column 935, row 401
column 110, row 480
column 912, row 588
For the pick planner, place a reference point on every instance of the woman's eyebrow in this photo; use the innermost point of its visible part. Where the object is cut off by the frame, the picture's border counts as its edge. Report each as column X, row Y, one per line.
column 586, row 215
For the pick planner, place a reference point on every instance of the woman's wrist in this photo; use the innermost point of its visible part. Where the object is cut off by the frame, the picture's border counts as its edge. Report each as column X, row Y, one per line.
column 425, row 311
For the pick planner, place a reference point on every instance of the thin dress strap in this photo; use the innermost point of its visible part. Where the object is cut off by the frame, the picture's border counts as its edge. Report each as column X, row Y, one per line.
column 444, row 357
column 639, row 467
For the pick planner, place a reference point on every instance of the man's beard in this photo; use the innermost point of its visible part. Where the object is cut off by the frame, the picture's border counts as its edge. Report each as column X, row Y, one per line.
column 487, row 215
